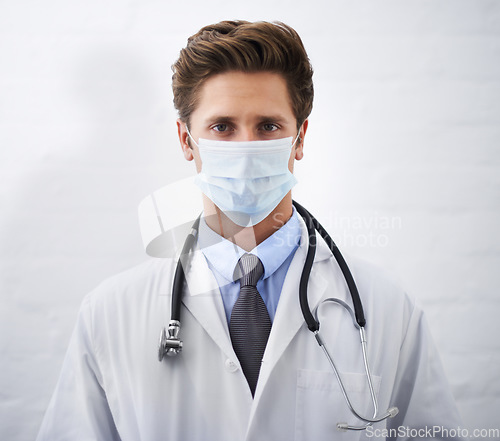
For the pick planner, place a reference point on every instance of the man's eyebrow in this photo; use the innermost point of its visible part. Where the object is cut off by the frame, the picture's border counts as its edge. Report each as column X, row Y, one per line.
column 219, row 119
column 226, row 119
column 271, row 118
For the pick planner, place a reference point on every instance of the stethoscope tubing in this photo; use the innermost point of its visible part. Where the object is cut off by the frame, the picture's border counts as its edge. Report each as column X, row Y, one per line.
column 180, row 276
column 312, row 225
column 390, row 412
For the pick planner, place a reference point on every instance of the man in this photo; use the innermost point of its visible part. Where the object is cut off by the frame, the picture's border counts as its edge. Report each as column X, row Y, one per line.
column 250, row 368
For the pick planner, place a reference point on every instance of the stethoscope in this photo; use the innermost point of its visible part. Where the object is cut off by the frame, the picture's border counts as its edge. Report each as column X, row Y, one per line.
column 171, row 345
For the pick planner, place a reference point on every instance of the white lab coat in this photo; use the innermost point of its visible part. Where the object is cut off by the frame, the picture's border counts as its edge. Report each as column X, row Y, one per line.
column 112, row 386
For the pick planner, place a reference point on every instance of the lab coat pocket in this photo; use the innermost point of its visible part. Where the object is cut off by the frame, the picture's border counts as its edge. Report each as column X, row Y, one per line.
column 320, row 404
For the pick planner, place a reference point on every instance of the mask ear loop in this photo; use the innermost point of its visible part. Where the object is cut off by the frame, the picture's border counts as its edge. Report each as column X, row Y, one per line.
column 298, row 137
column 192, row 139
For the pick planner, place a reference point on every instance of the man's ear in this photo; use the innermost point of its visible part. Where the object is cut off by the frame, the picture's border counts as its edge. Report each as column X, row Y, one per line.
column 299, row 146
column 184, row 140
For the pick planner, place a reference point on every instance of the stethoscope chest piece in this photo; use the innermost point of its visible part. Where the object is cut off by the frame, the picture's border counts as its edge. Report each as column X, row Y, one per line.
column 169, row 343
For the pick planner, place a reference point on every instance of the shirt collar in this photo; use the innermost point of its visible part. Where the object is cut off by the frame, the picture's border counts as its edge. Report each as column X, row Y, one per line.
column 223, row 255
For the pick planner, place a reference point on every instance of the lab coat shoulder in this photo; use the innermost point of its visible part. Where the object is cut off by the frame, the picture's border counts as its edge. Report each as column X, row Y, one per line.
column 385, row 301
column 375, row 280
column 120, row 302
column 106, row 338
column 134, row 283
column 129, row 294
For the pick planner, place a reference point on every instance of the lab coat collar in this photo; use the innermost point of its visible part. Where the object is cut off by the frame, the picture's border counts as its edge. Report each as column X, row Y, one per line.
column 203, row 299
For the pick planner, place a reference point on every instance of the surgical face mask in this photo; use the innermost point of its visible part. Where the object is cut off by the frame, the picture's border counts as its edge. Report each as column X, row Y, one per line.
column 246, row 180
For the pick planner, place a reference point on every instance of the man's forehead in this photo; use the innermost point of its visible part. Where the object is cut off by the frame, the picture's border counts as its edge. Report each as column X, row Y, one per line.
column 265, row 94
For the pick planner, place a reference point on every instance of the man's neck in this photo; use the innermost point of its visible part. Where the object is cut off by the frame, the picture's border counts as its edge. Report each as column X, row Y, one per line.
column 247, row 238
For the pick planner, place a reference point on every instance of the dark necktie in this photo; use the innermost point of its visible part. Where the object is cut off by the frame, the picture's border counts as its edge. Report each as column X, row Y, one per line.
column 250, row 323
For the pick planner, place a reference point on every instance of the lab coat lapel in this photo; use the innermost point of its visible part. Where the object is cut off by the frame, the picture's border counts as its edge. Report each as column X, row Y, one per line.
column 289, row 318
column 202, row 298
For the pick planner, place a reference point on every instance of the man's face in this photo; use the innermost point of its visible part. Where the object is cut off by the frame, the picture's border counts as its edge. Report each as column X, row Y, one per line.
column 237, row 106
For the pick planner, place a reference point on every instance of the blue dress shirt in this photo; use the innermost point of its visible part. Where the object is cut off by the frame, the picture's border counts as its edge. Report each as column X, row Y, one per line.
column 276, row 254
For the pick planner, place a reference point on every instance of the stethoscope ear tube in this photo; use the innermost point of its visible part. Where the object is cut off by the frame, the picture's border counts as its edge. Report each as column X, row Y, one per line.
column 312, row 324
column 180, row 276
column 358, row 307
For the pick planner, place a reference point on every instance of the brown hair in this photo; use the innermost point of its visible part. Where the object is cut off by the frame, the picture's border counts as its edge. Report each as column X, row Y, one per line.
column 247, row 47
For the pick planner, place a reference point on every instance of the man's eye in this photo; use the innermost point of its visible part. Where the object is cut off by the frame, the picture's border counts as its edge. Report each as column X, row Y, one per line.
column 269, row 127
column 220, row 127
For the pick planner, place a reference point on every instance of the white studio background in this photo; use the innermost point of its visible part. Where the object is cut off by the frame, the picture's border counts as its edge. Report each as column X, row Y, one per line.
column 402, row 164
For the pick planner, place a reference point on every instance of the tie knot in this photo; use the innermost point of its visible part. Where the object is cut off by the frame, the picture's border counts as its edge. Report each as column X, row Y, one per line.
column 249, row 270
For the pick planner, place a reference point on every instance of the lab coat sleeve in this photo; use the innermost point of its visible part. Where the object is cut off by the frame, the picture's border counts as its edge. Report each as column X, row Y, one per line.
column 421, row 391
column 79, row 409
